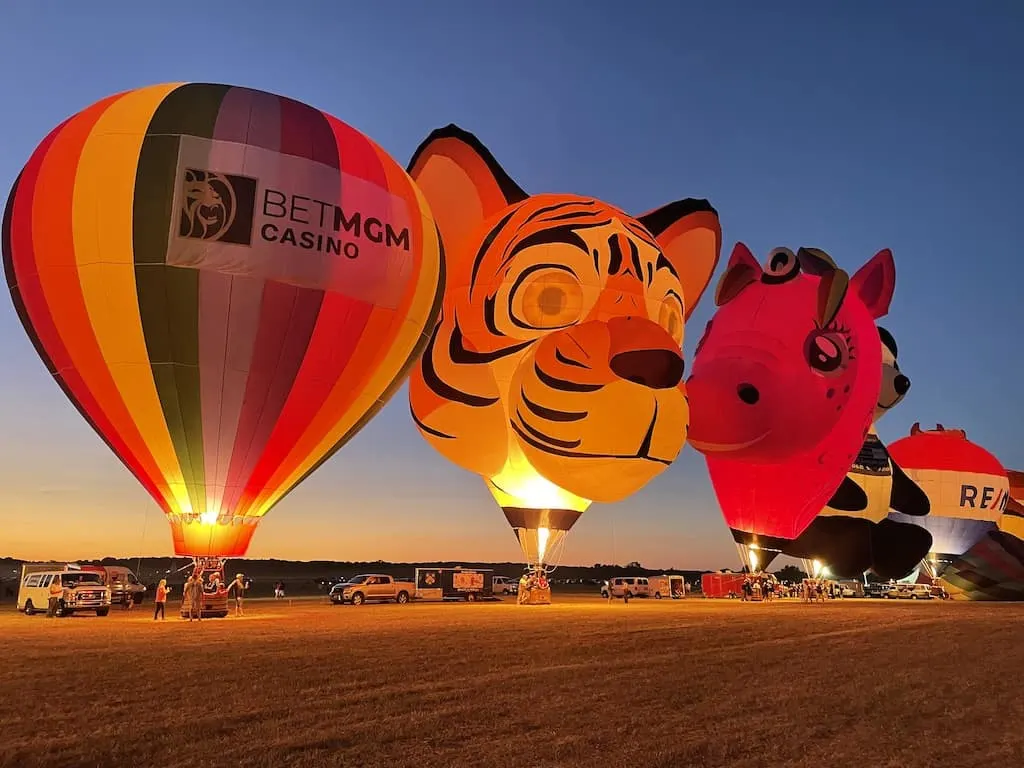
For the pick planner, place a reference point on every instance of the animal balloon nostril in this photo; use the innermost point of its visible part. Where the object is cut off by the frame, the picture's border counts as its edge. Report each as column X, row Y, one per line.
column 654, row 368
column 748, row 393
column 901, row 384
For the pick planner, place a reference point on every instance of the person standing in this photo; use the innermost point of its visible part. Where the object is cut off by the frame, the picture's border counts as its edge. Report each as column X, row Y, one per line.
column 56, row 593
column 192, row 597
column 161, row 599
column 238, row 587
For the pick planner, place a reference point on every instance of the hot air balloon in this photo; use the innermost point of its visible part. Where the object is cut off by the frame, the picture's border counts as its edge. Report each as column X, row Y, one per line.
column 967, row 486
column 851, row 543
column 555, row 372
column 227, row 284
column 1012, row 519
column 784, row 383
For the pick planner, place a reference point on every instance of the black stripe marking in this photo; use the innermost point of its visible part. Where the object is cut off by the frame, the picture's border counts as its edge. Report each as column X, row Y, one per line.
column 569, row 361
column 484, row 246
column 562, row 385
column 550, row 414
column 664, row 263
column 429, row 430
column 547, row 438
column 634, row 257
column 614, row 255
column 461, row 356
column 444, row 390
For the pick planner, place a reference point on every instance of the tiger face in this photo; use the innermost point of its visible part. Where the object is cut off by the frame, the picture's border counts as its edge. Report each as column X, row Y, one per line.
column 561, row 332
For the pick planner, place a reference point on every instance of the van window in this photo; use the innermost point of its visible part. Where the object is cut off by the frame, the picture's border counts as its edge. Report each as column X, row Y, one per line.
column 641, row 581
column 630, row 581
column 45, row 581
column 33, row 580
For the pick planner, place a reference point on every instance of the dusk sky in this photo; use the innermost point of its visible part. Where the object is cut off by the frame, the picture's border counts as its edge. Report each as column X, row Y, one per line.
column 852, row 128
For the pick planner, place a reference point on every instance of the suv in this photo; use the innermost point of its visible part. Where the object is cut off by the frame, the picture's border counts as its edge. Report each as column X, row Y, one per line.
column 83, row 591
column 503, row 585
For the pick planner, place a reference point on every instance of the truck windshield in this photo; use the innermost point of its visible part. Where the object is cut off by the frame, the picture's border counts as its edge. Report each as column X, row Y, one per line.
column 83, row 579
column 358, row 579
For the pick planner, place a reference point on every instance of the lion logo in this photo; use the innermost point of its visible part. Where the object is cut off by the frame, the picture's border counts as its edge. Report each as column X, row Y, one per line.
column 208, row 205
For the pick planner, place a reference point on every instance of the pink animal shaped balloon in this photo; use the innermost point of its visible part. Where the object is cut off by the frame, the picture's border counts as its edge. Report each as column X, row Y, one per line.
column 784, row 384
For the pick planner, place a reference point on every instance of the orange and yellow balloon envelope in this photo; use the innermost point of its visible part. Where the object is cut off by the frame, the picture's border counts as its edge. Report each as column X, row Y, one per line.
column 227, row 284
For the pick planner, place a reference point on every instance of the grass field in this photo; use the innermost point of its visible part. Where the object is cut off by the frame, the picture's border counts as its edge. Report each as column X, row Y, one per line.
column 866, row 684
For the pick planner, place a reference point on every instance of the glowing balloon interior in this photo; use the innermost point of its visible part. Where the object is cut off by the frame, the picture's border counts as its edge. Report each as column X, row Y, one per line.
column 556, row 369
column 227, row 284
column 784, row 384
column 850, row 543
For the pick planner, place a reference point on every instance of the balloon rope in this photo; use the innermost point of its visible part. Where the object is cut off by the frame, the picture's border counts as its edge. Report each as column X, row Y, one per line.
column 138, row 564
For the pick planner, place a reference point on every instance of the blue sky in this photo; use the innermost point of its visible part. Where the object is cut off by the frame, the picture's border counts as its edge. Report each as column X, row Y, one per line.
column 851, row 127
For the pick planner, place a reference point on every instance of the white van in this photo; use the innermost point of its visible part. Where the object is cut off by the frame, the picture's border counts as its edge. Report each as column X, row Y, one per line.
column 84, row 591
column 635, row 586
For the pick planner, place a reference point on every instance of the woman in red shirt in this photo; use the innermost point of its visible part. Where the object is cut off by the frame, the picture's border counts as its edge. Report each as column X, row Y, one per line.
column 161, row 599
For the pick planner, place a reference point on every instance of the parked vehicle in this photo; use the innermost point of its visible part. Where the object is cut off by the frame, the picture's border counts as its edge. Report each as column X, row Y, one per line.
column 851, row 588
column 83, row 590
column 722, row 584
column 910, row 592
column 372, row 587
column 503, row 585
column 634, row 586
column 875, row 589
column 124, row 585
column 666, row 586
column 455, row 584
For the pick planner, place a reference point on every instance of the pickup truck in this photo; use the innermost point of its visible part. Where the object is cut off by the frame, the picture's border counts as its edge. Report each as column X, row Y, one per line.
column 372, row 586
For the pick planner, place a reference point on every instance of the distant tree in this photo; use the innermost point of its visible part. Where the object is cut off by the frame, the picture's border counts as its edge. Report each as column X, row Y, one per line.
column 790, row 573
column 635, row 564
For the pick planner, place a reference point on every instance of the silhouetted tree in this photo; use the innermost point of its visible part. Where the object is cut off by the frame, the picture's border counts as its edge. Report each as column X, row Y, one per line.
column 790, row 573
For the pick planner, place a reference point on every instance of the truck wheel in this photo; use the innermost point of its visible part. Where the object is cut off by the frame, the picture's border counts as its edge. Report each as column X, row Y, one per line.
column 30, row 610
column 358, row 599
column 471, row 597
column 403, row 598
column 102, row 611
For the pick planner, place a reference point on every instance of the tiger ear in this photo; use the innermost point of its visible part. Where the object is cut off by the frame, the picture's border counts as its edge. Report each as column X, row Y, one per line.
column 463, row 183
column 690, row 236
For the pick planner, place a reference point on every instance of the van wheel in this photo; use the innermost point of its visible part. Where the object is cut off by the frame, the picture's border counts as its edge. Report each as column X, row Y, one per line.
column 358, row 599
column 657, row 595
column 102, row 611
column 30, row 610
column 471, row 597
column 403, row 598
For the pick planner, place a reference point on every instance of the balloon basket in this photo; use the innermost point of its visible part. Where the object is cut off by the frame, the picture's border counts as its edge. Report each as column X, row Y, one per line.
column 214, row 601
column 535, row 596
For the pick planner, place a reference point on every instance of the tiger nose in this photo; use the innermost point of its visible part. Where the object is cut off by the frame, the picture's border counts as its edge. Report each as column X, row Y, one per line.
column 901, row 384
column 654, row 368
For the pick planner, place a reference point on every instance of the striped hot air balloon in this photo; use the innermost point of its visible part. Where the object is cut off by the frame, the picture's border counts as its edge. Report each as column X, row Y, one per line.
column 227, row 284
column 966, row 485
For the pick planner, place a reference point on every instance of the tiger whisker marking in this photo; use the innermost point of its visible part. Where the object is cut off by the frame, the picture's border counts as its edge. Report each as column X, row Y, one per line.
column 526, row 438
column 546, row 438
column 568, row 360
column 551, row 414
column 562, row 385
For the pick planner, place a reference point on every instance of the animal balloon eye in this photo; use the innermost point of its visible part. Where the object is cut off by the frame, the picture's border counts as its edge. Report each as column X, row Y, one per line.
column 670, row 317
column 827, row 351
column 546, row 298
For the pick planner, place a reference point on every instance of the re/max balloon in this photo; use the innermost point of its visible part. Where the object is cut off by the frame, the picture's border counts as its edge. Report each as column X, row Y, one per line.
column 967, row 486
column 556, row 369
column 784, row 384
column 227, row 284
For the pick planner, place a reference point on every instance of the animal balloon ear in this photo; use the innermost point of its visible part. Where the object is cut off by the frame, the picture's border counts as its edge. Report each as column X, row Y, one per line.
column 462, row 182
column 875, row 283
column 690, row 236
column 834, row 282
column 741, row 271
column 915, row 428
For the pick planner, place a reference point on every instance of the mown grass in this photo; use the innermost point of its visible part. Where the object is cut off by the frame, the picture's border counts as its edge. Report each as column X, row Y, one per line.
column 580, row 683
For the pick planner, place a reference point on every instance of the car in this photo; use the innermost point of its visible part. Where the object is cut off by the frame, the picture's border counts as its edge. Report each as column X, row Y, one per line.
column 910, row 592
column 875, row 589
column 372, row 587
column 503, row 585
column 634, row 586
